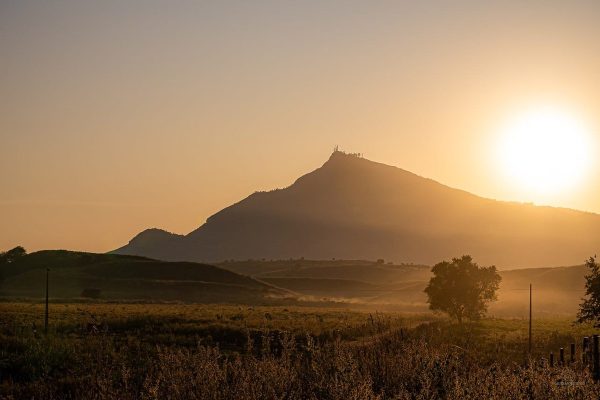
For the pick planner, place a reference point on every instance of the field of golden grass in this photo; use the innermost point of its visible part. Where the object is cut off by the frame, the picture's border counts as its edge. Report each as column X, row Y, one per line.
column 186, row 351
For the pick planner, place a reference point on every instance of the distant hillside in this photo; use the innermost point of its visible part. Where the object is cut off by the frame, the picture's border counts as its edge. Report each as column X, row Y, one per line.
column 555, row 290
column 128, row 277
column 353, row 208
column 357, row 270
column 358, row 280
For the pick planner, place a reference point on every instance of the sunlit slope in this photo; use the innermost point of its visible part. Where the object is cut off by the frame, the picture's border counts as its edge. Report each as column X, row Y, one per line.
column 127, row 277
column 353, row 208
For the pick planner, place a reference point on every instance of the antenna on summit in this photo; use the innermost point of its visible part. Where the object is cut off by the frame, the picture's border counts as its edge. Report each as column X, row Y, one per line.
column 336, row 149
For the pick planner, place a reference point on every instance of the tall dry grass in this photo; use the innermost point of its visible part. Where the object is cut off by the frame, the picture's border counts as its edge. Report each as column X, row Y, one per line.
column 391, row 364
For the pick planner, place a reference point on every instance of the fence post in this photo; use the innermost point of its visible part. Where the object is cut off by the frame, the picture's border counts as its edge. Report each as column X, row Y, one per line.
column 562, row 356
column 572, row 352
column 46, row 311
column 551, row 360
column 596, row 359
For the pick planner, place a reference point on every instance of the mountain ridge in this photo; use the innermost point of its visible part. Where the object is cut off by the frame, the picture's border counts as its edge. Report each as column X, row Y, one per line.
column 352, row 207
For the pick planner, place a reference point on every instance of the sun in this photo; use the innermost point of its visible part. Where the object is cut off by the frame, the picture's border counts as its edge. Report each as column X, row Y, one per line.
column 545, row 150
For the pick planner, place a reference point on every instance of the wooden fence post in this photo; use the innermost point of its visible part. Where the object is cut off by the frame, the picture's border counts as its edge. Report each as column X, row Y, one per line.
column 46, row 311
column 562, row 356
column 572, row 352
column 596, row 358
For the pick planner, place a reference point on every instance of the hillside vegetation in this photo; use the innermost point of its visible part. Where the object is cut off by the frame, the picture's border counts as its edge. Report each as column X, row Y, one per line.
column 110, row 276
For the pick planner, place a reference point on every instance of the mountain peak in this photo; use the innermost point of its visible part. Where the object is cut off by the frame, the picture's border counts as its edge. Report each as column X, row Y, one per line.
column 152, row 235
column 341, row 157
column 146, row 242
column 355, row 208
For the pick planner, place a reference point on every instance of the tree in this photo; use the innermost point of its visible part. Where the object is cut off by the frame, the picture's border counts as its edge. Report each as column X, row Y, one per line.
column 8, row 257
column 461, row 288
column 589, row 309
column 12, row 255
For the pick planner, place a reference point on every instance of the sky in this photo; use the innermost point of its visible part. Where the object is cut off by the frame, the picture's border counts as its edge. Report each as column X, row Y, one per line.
column 117, row 116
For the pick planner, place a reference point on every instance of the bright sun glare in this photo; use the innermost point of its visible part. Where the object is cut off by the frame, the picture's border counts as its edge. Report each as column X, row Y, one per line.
column 545, row 150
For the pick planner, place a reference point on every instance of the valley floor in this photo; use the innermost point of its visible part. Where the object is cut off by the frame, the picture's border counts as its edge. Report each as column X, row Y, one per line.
column 187, row 351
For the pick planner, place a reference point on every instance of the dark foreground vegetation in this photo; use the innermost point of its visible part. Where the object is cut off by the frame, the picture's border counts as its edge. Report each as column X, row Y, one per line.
column 132, row 351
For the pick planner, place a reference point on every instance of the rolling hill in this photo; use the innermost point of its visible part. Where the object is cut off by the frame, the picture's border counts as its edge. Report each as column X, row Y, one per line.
column 375, row 285
column 127, row 278
column 341, row 280
column 353, row 208
column 556, row 290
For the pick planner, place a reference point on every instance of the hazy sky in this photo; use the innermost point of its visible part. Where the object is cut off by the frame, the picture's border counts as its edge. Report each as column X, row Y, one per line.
column 116, row 116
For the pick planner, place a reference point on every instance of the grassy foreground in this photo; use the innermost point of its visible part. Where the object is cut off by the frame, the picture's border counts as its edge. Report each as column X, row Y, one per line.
column 172, row 351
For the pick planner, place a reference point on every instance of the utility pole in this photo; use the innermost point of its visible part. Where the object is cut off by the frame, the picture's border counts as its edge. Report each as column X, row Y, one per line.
column 530, row 319
column 46, row 315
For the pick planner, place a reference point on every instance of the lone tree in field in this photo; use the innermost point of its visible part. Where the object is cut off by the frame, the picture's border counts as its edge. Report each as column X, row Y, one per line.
column 462, row 289
column 589, row 310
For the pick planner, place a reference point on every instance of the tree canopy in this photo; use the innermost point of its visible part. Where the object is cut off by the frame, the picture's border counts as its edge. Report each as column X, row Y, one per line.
column 12, row 255
column 589, row 309
column 461, row 288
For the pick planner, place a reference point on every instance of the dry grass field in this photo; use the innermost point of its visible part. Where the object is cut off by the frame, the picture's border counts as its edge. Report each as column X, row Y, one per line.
column 185, row 351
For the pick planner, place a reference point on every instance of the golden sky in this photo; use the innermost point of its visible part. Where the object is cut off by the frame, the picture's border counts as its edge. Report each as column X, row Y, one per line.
column 117, row 116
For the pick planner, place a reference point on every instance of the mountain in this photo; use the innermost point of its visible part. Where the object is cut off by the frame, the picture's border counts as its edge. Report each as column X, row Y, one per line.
column 110, row 276
column 354, row 208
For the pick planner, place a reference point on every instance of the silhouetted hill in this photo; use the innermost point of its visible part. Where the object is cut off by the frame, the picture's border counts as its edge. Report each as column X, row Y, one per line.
column 128, row 277
column 354, row 208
